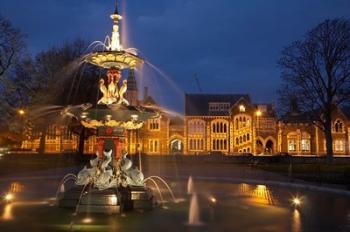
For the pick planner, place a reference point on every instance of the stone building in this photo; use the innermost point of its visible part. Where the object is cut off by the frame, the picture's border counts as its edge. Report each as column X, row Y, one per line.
column 229, row 124
column 298, row 135
column 214, row 123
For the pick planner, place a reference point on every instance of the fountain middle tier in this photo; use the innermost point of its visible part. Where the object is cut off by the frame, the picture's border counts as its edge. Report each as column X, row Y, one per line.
column 113, row 115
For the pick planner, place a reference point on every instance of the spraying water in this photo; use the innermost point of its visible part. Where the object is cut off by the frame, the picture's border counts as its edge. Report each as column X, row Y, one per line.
column 190, row 189
column 193, row 215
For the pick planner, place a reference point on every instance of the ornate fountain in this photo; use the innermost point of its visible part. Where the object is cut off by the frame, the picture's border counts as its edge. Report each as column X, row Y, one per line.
column 111, row 184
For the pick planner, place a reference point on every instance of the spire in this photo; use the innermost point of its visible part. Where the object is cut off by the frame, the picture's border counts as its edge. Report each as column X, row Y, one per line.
column 132, row 85
column 116, row 12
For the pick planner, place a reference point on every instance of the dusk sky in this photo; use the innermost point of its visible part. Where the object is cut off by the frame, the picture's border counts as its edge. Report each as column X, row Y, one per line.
column 232, row 45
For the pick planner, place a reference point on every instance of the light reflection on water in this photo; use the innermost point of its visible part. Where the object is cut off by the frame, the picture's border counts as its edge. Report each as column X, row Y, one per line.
column 266, row 204
column 296, row 221
column 261, row 194
column 7, row 214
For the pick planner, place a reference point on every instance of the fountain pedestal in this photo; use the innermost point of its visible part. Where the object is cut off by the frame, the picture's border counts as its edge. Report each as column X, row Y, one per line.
column 111, row 184
column 108, row 201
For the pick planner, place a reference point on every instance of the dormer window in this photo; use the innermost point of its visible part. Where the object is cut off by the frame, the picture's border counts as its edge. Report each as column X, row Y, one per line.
column 219, row 106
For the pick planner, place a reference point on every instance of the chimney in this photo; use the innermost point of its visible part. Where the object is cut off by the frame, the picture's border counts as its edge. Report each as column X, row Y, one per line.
column 145, row 93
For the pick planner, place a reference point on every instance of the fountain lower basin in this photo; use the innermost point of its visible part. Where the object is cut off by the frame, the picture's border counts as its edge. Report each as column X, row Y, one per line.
column 108, row 201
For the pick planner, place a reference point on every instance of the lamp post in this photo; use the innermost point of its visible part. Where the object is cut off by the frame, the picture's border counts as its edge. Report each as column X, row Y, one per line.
column 258, row 114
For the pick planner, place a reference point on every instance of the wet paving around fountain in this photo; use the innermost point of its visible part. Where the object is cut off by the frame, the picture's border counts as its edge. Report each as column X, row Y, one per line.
column 222, row 206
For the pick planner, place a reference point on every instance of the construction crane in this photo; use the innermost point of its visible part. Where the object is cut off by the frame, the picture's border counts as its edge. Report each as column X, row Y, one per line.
column 197, row 83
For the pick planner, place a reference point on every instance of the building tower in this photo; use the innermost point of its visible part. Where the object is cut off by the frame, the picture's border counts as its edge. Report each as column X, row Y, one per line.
column 132, row 93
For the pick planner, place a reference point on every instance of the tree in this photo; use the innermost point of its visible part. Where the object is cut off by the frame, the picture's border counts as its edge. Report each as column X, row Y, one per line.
column 12, row 57
column 61, row 79
column 11, row 45
column 316, row 74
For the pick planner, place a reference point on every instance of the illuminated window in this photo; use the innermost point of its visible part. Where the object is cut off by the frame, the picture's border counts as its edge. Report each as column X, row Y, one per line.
column 219, row 106
column 196, row 127
column 339, row 145
column 241, row 108
column 305, row 142
column 292, row 145
column 338, row 126
column 154, row 124
column 153, row 145
column 292, row 141
column 219, row 144
column 219, row 127
column 242, row 121
column 196, row 144
column 51, row 132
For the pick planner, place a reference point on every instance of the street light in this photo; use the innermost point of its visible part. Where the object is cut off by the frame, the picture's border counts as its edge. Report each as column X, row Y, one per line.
column 21, row 112
column 258, row 113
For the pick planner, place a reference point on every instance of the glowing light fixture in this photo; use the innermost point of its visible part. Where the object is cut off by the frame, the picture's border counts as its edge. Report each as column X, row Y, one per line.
column 114, row 200
column 296, row 201
column 258, row 113
column 241, row 108
column 213, row 199
column 134, row 117
column 21, row 112
column 87, row 220
column 9, row 197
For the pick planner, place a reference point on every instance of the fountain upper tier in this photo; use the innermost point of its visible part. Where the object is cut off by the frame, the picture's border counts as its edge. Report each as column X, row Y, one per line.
column 114, row 56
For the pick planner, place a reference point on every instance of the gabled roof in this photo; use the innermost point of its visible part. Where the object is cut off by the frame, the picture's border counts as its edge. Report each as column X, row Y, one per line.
column 198, row 104
column 346, row 111
column 149, row 101
column 295, row 117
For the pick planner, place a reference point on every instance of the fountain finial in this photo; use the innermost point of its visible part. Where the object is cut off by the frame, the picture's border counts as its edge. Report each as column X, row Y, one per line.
column 116, row 12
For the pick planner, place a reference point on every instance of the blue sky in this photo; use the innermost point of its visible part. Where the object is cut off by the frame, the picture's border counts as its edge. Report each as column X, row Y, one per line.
column 232, row 45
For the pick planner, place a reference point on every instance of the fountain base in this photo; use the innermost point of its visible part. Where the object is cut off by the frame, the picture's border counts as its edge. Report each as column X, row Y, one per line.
column 108, row 201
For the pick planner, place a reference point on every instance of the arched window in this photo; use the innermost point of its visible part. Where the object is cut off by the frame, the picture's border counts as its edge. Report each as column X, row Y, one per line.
column 237, row 141
column 154, row 124
column 240, row 139
column 219, row 126
column 248, row 137
column 244, row 138
column 338, row 126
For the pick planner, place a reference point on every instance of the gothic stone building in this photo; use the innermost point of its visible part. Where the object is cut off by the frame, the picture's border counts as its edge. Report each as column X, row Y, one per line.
column 228, row 124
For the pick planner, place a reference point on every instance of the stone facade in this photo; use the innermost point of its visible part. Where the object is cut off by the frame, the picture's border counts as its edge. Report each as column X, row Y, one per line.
column 229, row 124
